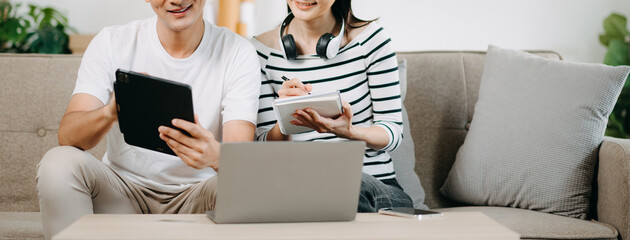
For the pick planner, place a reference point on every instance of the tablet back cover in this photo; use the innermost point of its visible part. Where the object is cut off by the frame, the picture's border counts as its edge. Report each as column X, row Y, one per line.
column 145, row 103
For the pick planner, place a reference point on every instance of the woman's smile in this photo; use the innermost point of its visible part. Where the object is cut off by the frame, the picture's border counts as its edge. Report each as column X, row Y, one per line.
column 305, row 5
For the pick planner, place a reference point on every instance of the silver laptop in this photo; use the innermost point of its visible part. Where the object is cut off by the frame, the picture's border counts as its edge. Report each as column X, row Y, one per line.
column 288, row 182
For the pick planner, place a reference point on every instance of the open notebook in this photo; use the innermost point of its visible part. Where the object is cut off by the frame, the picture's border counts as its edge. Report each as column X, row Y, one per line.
column 326, row 104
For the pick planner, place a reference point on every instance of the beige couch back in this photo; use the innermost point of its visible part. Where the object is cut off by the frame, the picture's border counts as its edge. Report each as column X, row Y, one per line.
column 34, row 93
column 35, row 90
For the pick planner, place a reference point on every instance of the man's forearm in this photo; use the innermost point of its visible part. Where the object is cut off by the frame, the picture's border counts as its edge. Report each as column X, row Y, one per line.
column 85, row 129
column 238, row 131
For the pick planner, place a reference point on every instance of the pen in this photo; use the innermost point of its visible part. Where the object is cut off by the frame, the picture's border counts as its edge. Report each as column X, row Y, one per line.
column 287, row 79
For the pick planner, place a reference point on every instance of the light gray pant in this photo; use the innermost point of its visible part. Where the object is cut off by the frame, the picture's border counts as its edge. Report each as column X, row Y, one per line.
column 72, row 183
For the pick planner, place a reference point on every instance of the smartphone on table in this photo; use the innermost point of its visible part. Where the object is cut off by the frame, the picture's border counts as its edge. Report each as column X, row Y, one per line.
column 410, row 212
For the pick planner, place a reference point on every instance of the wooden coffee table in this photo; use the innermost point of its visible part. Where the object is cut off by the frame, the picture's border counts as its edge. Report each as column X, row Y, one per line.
column 453, row 225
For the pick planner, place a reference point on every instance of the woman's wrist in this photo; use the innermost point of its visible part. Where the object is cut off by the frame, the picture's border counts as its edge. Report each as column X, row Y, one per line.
column 274, row 134
column 355, row 133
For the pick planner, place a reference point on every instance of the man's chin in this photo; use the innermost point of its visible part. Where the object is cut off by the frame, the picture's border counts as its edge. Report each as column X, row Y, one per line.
column 180, row 25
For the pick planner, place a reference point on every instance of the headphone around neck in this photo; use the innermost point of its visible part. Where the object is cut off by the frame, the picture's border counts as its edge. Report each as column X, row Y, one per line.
column 327, row 45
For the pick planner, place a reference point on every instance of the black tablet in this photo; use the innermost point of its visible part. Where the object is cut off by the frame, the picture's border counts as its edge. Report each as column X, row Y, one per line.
column 146, row 103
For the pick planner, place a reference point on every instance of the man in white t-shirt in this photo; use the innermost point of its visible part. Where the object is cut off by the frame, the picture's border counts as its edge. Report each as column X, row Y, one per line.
column 224, row 73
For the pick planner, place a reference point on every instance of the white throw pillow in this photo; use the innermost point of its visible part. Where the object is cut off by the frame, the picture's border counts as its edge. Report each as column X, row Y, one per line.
column 534, row 137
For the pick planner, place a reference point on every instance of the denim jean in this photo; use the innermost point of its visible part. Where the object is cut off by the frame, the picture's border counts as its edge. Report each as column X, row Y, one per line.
column 376, row 194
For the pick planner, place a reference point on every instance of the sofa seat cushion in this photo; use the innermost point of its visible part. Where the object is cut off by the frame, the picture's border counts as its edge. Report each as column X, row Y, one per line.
column 538, row 225
column 21, row 225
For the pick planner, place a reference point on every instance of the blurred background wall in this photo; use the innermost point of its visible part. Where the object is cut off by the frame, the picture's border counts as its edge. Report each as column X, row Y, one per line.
column 570, row 27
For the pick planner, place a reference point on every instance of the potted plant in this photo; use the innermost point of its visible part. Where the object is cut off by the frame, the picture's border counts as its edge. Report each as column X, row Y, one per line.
column 38, row 30
column 13, row 27
column 617, row 39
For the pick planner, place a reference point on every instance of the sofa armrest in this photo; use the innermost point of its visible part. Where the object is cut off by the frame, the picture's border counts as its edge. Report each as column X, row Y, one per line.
column 613, row 185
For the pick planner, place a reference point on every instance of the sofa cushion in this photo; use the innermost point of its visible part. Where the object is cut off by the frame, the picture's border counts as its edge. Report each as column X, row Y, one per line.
column 21, row 225
column 404, row 156
column 535, row 133
column 537, row 225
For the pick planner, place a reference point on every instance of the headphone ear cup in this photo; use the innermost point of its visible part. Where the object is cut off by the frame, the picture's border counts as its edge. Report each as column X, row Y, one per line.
column 322, row 45
column 290, row 49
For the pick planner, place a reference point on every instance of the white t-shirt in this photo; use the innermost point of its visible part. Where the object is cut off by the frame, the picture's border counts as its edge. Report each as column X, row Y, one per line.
column 224, row 73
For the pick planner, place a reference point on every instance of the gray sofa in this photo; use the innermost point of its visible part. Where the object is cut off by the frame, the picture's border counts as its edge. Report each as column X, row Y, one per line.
column 441, row 94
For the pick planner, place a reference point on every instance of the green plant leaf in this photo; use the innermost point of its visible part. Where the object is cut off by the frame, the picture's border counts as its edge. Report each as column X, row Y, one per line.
column 615, row 26
column 619, row 121
column 33, row 30
column 12, row 30
column 615, row 127
column 623, row 103
column 611, row 132
column 617, row 53
column 616, row 39
column 33, row 13
column 47, row 18
column 604, row 39
column 50, row 40
column 58, row 17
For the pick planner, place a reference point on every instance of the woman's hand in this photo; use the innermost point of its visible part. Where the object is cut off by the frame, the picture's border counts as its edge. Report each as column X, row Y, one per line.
column 341, row 126
column 199, row 151
column 293, row 88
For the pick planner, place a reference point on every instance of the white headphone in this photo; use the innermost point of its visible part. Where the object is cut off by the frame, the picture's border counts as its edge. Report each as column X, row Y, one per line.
column 327, row 45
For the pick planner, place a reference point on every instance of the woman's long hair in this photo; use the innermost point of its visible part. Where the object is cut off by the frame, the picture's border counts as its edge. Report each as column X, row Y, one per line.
column 342, row 9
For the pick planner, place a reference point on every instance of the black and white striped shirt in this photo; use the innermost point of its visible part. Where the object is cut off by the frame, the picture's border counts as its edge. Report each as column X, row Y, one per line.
column 365, row 72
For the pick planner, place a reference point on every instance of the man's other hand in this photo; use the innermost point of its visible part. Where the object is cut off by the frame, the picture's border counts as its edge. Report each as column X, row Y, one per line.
column 200, row 150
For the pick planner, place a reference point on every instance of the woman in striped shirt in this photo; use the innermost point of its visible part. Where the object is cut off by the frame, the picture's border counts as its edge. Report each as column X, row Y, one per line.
column 361, row 64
